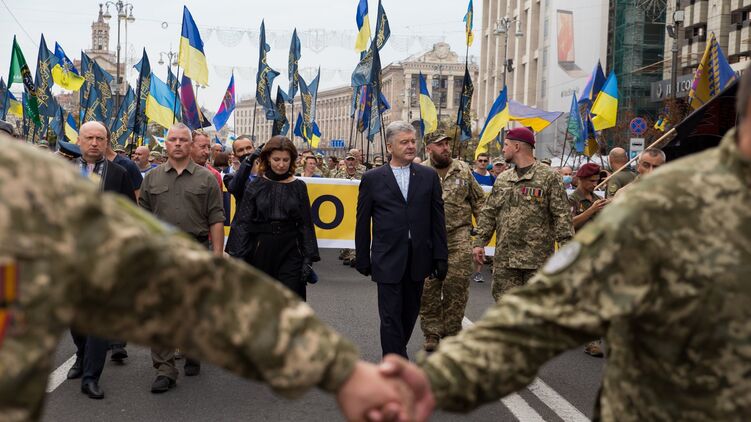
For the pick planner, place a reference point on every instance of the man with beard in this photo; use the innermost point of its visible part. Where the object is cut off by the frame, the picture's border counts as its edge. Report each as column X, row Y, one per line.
column 528, row 210
column 443, row 302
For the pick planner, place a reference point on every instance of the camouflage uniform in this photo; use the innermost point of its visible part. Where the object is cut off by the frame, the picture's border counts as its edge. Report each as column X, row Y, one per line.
column 348, row 254
column 618, row 181
column 529, row 214
column 662, row 274
column 443, row 302
column 68, row 250
column 579, row 203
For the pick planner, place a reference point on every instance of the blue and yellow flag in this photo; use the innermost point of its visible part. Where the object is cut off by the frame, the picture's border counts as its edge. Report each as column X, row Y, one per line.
column 64, row 73
column 71, row 130
column 605, row 108
column 593, row 85
column 122, row 124
column 428, row 115
column 469, row 23
column 142, row 93
column 383, row 30
column 281, row 124
column 575, row 126
column 363, row 26
column 265, row 77
column 160, row 104
column 712, row 76
column 15, row 107
column 464, row 116
column 292, row 66
column 662, row 123
column 498, row 118
column 531, row 117
column 191, row 56
column 43, row 80
column 3, row 99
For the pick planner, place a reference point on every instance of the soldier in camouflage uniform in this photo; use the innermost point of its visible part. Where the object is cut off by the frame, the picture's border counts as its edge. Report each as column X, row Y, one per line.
column 351, row 171
column 662, row 273
column 71, row 257
column 528, row 210
column 443, row 302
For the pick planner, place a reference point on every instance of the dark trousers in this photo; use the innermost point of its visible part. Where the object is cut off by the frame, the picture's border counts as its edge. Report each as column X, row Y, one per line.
column 278, row 255
column 398, row 307
column 93, row 352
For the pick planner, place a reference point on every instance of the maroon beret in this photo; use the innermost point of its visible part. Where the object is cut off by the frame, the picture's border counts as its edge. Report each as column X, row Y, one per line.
column 588, row 170
column 522, row 134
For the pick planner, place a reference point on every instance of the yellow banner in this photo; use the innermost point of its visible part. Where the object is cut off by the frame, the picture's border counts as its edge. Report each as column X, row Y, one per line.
column 333, row 204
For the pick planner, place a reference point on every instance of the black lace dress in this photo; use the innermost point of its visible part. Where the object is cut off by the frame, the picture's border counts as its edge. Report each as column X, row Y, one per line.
column 273, row 231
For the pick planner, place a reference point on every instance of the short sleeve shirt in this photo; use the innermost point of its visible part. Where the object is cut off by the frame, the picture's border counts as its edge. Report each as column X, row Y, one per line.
column 191, row 201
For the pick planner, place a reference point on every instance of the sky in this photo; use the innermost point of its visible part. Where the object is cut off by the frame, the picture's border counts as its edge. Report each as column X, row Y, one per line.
column 223, row 24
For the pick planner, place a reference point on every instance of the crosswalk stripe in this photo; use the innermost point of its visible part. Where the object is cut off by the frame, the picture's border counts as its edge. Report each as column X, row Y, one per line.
column 524, row 412
column 60, row 374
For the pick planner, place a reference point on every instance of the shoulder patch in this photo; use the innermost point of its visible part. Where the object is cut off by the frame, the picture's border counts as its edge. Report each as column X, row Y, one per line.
column 563, row 258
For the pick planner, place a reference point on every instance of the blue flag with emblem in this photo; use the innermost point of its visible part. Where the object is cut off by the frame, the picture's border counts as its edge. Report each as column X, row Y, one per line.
column 43, row 80
column 142, row 93
column 292, row 66
column 281, row 124
column 122, row 124
column 265, row 77
column 464, row 115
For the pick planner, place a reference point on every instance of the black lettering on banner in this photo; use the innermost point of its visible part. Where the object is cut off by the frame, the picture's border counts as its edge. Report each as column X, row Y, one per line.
column 315, row 209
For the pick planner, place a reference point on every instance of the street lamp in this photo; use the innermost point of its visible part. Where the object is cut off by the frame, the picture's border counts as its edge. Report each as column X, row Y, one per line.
column 124, row 13
column 171, row 57
column 674, row 32
column 502, row 26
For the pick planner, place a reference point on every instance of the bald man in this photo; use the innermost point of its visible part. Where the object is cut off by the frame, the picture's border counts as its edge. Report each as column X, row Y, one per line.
column 141, row 158
column 91, row 352
column 618, row 158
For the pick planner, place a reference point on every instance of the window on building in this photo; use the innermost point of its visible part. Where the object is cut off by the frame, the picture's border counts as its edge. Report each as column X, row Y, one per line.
column 438, row 92
column 414, row 91
column 543, row 87
column 458, row 85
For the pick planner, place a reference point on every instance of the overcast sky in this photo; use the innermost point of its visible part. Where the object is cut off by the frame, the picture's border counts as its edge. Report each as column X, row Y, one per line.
column 415, row 24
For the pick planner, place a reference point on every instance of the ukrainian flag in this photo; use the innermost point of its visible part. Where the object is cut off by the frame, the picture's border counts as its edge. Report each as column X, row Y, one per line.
column 661, row 124
column 315, row 137
column 605, row 108
column 497, row 119
column 191, row 56
column 468, row 23
column 71, row 132
column 64, row 73
column 427, row 109
column 532, row 117
column 14, row 106
column 363, row 26
column 160, row 104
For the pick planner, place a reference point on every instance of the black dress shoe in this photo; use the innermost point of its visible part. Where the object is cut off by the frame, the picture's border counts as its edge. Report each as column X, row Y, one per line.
column 92, row 389
column 118, row 354
column 162, row 384
column 76, row 371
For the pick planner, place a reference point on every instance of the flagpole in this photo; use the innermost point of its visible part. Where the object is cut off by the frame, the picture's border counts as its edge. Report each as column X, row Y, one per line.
column 563, row 150
column 466, row 70
column 177, row 78
column 253, row 129
column 356, row 94
column 292, row 120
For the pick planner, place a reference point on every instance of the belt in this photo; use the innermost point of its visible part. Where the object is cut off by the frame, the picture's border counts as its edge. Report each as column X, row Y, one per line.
column 274, row 227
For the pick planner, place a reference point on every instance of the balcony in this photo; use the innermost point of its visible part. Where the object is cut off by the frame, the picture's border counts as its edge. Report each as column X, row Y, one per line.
column 734, row 42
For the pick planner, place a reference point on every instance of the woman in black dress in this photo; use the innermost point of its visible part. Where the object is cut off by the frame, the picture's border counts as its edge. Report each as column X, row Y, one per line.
column 273, row 228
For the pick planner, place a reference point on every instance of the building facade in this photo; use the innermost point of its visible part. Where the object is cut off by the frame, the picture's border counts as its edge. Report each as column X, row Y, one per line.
column 729, row 20
column 444, row 72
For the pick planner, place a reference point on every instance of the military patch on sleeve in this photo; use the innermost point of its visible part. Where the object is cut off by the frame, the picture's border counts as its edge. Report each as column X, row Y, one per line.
column 8, row 293
column 563, row 258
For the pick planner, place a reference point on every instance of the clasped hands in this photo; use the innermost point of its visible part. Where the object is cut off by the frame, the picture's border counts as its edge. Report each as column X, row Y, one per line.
column 396, row 390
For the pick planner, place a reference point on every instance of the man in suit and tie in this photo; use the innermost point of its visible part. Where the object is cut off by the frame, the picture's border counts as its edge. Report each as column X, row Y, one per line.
column 404, row 203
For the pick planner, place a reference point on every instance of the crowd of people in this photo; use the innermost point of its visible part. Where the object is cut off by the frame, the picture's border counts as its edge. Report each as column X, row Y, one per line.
column 657, row 267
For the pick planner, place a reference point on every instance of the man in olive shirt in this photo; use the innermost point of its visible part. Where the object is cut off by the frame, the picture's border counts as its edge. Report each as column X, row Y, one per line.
column 186, row 195
column 618, row 158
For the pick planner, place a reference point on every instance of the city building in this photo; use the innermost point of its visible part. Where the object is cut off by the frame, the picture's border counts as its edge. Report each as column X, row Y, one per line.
column 729, row 20
column 101, row 53
column 443, row 69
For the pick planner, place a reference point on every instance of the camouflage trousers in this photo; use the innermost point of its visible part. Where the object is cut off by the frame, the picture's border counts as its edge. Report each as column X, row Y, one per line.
column 505, row 279
column 443, row 302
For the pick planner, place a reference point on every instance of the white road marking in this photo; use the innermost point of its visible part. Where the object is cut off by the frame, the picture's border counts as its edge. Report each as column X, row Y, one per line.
column 556, row 402
column 524, row 412
column 60, row 374
column 521, row 409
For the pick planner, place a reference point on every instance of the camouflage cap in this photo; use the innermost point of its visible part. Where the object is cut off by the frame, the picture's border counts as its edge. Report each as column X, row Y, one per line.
column 436, row 137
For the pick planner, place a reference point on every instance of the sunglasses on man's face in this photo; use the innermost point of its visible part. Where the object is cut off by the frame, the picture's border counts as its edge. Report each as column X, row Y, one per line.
column 482, row 161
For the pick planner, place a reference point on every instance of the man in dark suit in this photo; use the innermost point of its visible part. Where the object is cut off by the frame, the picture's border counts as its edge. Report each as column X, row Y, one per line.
column 91, row 352
column 404, row 203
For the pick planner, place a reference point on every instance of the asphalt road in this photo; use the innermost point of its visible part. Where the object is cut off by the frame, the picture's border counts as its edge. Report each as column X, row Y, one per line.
column 566, row 389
